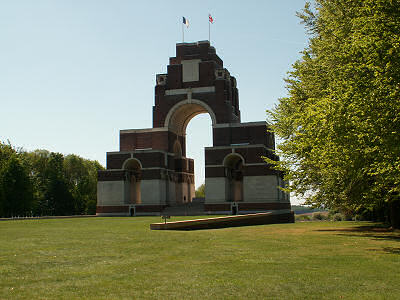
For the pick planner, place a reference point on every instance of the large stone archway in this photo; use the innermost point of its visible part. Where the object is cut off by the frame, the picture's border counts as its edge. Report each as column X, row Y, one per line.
column 179, row 117
column 181, row 113
column 177, row 121
column 237, row 178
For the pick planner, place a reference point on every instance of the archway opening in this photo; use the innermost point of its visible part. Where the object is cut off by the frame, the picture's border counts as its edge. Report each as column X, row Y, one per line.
column 233, row 164
column 132, row 181
column 189, row 145
column 180, row 115
column 199, row 136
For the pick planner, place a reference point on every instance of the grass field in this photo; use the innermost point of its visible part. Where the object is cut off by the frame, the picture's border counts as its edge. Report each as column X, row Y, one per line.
column 120, row 258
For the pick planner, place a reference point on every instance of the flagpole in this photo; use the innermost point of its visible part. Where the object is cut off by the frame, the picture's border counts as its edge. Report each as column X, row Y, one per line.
column 209, row 31
column 183, row 34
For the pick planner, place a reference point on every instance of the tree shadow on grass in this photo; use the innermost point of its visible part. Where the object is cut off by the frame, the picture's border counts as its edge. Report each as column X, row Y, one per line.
column 390, row 250
column 376, row 232
column 378, row 228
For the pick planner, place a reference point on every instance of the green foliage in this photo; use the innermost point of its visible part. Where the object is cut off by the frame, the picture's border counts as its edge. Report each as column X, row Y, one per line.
column 394, row 215
column 81, row 175
column 301, row 209
column 340, row 123
column 6, row 151
column 338, row 217
column 358, row 217
column 16, row 194
column 318, row 216
column 304, row 217
column 16, row 188
column 58, row 195
column 46, row 183
column 200, row 192
column 38, row 165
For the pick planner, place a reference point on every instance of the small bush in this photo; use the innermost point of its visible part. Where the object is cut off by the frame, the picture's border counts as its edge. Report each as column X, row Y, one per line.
column 331, row 213
column 300, row 218
column 358, row 218
column 338, row 217
column 317, row 216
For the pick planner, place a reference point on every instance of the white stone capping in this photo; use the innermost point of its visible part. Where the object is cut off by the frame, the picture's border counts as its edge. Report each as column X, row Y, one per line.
column 247, row 164
column 152, row 168
column 193, row 43
column 142, row 151
column 206, row 89
column 138, row 150
column 239, row 146
column 157, row 129
column 222, row 125
column 118, row 152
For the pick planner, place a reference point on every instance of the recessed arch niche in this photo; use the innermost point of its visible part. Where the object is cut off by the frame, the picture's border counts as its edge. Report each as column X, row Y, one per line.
column 233, row 164
column 133, row 171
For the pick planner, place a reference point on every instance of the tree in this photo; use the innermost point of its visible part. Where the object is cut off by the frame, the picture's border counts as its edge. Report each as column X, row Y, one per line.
column 91, row 202
column 81, row 175
column 46, row 183
column 59, row 199
column 16, row 188
column 16, row 194
column 6, row 151
column 37, row 163
column 340, row 122
column 200, row 192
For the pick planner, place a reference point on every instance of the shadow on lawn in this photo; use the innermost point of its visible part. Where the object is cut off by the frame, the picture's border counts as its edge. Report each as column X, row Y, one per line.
column 390, row 250
column 377, row 232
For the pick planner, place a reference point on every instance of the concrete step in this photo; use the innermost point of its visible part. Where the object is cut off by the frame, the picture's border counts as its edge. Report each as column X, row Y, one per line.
column 227, row 221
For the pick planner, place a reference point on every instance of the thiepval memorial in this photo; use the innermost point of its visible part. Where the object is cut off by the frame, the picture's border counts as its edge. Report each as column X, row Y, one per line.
column 151, row 172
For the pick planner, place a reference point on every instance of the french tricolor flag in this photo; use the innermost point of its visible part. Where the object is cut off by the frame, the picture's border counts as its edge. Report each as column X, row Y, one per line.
column 185, row 21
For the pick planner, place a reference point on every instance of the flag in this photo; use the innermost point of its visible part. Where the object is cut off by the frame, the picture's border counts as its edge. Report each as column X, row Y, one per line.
column 185, row 21
column 210, row 18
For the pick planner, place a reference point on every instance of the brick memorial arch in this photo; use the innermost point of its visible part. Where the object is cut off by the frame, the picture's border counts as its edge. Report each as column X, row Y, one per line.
column 151, row 171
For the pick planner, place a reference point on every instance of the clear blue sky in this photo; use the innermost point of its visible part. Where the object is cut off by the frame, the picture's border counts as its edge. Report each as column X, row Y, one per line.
column 73, row 73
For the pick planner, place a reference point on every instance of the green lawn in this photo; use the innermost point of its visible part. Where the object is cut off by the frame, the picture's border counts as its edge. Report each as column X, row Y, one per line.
column 120, row 258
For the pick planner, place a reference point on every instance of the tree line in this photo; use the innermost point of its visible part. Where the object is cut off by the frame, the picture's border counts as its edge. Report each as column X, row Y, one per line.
column 44, row 183
column 340, row 123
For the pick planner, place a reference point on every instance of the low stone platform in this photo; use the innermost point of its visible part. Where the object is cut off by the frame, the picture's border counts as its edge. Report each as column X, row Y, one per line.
column 223, row 222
